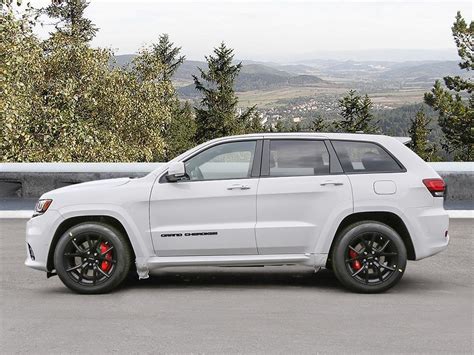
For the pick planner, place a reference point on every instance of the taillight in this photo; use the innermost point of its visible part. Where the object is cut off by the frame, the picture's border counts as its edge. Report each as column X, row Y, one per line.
column 435, row 186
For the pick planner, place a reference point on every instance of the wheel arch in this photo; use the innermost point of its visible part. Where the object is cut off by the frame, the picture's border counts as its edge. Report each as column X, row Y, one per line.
column 72, row 221
column 389, row 218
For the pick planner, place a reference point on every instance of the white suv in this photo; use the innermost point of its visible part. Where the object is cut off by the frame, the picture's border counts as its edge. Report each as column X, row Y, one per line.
column 361, row 205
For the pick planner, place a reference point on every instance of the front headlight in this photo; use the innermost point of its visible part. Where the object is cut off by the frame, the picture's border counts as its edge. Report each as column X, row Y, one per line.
column 42, row 206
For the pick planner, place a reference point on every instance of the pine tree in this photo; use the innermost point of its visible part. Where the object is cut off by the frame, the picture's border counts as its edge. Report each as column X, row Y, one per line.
column 169, row 56
column 251, row 121
column 217, row 114
column 70, row 19
column 356, row 112
column 158, row 63
column 419, row 132
column 319, row 125
column 455, row 103
column 296, row 127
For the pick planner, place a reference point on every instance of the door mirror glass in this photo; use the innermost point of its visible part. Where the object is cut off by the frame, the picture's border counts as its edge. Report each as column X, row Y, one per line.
column 176, row 171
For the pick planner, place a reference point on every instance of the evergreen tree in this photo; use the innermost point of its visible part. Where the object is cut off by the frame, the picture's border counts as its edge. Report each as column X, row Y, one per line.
column 217, row 114
column 158, row 63
column 356, row 112
column 455, row 103
column 296, row 127
column 168, row 55
column 70, row 20
column 319, row 125
column 251, row 121
column 419, row 132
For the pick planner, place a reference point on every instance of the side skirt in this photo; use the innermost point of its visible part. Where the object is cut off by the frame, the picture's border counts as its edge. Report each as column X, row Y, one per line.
column 157, row 262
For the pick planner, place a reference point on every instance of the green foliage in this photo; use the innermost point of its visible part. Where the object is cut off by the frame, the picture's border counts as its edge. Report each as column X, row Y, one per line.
column 356, row 112
column 158, row 64
column 419, row 133
column 180, row 131
column 169, row 56
column 20, row 70
column 250, row 121
column 296, row 127
column 217, row 114
column 455, row 102
column 70, row 20
column 319, row 124
column 463, row 37
column 279, row 127
column 61, row 102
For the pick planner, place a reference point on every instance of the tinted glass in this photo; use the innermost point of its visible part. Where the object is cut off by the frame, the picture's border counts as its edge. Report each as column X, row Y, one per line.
column 364, row 157
column 298, row 158
column 224, row 161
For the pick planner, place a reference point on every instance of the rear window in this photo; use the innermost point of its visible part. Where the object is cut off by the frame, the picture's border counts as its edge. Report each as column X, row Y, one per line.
column 364, row 157
column 298, row 158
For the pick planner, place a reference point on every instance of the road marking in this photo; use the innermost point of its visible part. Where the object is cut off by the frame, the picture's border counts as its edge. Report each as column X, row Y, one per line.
column 28, row 214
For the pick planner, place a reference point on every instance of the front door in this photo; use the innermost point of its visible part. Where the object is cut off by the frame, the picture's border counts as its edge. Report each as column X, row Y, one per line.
column 301, row 192
column 212, row 211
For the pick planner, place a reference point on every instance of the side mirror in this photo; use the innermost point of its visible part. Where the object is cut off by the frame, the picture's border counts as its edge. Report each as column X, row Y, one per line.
column 176, row 171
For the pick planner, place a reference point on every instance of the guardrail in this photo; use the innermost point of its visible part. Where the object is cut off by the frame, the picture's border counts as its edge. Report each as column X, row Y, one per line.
column 30, row 180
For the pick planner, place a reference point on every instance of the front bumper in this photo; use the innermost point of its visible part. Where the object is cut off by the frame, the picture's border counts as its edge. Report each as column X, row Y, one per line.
column 39, row 235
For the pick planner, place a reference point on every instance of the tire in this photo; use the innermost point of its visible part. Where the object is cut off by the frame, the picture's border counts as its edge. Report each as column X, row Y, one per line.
column 92, row 258
column 369, row 257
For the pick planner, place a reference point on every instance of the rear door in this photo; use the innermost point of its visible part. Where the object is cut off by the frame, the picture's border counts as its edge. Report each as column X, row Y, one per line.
column 302, row 190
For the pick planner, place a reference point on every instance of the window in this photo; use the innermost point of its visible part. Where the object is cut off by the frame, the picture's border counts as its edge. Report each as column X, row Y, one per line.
column 298, row 158
column 224, row 161
column 364, row 157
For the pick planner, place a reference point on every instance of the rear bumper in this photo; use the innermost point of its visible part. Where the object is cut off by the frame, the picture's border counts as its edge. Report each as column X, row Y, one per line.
column 39, row 234
column 429, row 228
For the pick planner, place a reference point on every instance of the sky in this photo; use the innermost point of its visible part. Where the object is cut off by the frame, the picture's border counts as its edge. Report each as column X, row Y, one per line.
column 284, row 31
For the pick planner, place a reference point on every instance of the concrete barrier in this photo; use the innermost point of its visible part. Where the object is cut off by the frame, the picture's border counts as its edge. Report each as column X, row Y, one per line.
column 30, row 180
column 460, row 179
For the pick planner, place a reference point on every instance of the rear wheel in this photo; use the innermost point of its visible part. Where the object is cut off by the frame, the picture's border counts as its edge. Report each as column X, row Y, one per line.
column 92, row 258
column 369, row 257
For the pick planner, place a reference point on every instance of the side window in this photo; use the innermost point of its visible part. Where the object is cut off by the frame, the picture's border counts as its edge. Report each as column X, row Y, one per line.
column 298, row 158
column 364, row 157
column 224, row 161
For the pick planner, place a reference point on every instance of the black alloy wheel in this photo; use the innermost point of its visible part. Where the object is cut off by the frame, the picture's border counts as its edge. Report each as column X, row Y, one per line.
column 92, row 258
column 369, row 257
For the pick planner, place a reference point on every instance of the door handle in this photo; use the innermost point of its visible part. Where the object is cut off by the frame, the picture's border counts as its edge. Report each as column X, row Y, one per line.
column 239, row 187
column 331, row 182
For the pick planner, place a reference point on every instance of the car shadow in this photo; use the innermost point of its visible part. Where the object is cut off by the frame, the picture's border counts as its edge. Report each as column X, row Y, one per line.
column 253, row 278
column 233, row 277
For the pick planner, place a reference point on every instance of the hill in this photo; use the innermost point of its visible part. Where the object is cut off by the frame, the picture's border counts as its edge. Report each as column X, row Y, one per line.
column 253, row 76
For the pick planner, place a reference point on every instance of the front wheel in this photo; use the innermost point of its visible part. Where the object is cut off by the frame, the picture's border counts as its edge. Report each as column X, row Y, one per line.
column 92, row 258
column 369, row 257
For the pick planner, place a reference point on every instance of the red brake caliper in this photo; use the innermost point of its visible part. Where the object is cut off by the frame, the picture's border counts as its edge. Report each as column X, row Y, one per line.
column 105, row 265
column 356, row 265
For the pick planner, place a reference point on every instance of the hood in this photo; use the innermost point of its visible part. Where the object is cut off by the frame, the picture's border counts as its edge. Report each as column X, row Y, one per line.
column 99, row 184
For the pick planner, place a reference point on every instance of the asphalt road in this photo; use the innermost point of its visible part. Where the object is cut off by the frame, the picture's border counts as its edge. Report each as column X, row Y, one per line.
column 241, row 310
